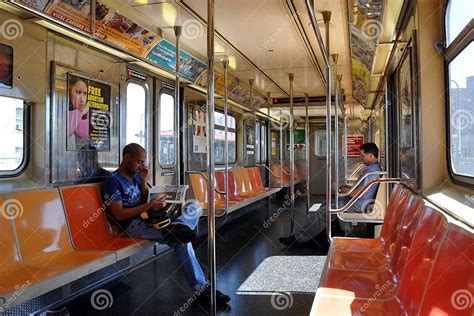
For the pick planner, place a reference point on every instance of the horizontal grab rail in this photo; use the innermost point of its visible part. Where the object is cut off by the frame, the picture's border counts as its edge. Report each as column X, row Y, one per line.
column 357, row 169
column 373, row 173
column 281, row 169
column 363, row 191
column 207, row 180
column 271, row 171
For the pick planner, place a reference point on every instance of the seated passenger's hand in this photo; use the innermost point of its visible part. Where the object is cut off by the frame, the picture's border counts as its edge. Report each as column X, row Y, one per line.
column 344, row 188
column 158, row 203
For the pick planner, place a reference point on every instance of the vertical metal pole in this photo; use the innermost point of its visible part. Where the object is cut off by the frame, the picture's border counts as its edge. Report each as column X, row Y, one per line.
column 93, row 10
column 177, row 33
column 225, row 64
column 306, row 132
column 335, row 58
column 327, row 18
column 344, row 131
column 281, row 148
column 268, row 138
column 211, row 218
column 292, row 157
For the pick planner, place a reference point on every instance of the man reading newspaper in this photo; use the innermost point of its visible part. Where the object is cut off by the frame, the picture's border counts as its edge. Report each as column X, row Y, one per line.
column 127, row 191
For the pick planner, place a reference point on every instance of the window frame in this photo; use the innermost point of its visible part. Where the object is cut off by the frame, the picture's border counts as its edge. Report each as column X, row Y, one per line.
column 229, row 130
column 146, row 127
column 158, row 124
column 455, row 48
column 26, row 144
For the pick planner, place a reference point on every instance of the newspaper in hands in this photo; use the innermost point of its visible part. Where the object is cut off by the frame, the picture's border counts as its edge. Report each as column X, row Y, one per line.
column 174, row 194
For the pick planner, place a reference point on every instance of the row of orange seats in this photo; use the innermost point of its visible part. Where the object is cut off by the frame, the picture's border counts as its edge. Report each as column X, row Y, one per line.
column 243, row 183
column 52, row 237
column 421, row 264
column 282, row 173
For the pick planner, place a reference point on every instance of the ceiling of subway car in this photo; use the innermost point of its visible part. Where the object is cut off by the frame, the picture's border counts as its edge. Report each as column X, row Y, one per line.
column 265, row 40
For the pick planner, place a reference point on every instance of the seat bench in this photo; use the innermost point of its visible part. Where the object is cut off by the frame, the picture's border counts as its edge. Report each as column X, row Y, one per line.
column 245, row 187
column 56, row 239
column 416, row 265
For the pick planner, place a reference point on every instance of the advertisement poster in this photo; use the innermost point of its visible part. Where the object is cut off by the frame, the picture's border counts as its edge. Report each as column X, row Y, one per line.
column 117, row 29
column 113, row 27
column 164, row 54
column 6, row 66
column 88, row 119
column 249, row 139
column 199, row 131
column 353, row 145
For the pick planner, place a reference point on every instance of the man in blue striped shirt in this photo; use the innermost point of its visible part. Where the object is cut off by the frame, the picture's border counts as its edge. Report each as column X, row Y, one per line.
column 369, row 153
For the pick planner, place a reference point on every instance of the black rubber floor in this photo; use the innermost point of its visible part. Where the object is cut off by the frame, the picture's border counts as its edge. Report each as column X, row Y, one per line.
column 158, row 288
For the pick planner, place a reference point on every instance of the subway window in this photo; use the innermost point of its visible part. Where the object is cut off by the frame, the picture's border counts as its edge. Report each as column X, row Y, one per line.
column 460, row 84
column 166, row 132
column 136, row 127
column 12, row 143
column 461, row 109
column 219, row 137
column 458, row 15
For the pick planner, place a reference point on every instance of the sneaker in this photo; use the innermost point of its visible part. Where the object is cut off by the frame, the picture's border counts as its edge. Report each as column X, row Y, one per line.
column 288, row 241
column 203, row 297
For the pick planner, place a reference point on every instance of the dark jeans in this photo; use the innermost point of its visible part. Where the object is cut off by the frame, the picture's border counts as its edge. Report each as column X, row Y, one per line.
column 187, row 261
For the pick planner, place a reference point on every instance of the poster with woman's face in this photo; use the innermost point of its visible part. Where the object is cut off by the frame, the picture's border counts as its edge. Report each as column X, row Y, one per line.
column 88, row 119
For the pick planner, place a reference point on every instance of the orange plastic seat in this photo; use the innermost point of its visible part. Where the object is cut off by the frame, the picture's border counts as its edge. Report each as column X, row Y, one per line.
column 372, row 259
column 88, row 220
column 220, row 179
column 199, row 185
column 277, row 174
column 12, row 271
column 431, row 230
column 362, row 283
column 243, row 184
column 256, row 180
column 391, row 220
column 43, row 236
column 451, row 286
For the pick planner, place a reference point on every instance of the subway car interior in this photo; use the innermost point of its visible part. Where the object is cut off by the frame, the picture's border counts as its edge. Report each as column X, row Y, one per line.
column 300, row 157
